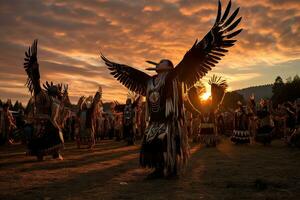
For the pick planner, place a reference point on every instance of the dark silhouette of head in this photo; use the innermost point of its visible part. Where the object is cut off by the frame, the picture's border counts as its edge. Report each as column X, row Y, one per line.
column 163, row 66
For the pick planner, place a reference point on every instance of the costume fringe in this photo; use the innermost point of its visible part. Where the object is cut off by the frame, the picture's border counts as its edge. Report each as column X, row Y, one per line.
column 209, row 140
column 174, row 153
column 240, row 137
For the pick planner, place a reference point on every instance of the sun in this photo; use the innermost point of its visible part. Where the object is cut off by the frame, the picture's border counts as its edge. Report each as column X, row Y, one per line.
column 205, row 96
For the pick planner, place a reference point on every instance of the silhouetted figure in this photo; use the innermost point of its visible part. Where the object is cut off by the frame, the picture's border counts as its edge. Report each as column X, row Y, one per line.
column 7, row 124
column 241, row 134
column 164, row 145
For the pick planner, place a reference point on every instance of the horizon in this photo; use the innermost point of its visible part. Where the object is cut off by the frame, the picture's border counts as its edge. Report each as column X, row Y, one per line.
column 72, row 34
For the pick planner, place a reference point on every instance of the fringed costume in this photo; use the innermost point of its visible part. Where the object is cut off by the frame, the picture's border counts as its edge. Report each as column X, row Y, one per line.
column 165, row 146
column 128, row 122
column 241, row 134
column 265, row 125
column 87, row 120
column 208, row 133
column 208, row 108
column 165, row 137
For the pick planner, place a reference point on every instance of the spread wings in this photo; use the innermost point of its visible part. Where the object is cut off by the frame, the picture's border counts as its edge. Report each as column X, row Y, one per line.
column 31, row 67
column 135, row 80
column 206, row 53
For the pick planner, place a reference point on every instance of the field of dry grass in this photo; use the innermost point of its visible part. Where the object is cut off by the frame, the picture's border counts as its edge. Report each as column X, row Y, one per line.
column 111, row 171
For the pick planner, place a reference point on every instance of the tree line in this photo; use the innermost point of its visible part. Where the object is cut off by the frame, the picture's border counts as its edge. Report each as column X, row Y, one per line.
column 283, row 91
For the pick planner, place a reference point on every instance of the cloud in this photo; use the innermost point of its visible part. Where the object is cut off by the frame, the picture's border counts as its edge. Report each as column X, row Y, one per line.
column 72, row 33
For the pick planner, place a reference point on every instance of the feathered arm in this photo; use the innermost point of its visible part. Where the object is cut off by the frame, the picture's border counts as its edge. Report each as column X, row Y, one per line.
column 32, row 69
column 193, row 97
column 135, row 80
column 206, row 53
column 218, row 89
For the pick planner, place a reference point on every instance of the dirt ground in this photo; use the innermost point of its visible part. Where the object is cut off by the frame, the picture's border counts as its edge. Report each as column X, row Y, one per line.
column 111, row 171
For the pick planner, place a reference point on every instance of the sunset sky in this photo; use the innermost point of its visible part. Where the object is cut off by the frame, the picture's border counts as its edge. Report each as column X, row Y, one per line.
column 71, row 35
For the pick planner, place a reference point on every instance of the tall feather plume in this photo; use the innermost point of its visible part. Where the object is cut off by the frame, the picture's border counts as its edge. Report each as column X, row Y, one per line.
column 218, row 89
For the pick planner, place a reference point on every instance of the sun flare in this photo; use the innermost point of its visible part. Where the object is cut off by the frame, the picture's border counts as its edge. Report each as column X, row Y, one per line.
column 205, row 96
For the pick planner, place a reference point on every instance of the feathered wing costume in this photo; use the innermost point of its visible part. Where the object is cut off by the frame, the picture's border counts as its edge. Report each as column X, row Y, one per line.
column 46, row 137
column 165, row 143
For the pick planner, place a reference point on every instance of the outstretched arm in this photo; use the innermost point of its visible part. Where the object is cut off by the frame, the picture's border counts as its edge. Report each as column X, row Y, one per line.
column 31, row 67
column 135, row 80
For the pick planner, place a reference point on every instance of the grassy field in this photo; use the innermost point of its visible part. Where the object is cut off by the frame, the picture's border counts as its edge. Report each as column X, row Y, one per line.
column 111, row 171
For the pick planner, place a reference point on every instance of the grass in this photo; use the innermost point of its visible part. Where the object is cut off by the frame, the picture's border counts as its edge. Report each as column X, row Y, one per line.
column 111, row 171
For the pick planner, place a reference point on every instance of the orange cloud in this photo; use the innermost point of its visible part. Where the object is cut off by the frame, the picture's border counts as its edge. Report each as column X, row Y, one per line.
column 72, row 33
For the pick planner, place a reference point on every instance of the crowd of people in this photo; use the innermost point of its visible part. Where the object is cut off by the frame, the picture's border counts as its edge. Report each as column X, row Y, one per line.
column 89, row 122
column 259, row 122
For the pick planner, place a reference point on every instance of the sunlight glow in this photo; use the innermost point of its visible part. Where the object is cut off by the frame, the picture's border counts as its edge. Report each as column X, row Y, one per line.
column 205, row 96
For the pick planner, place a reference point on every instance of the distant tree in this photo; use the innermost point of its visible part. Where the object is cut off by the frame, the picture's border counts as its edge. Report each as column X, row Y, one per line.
column 277, row 90
column 289, row 79
column 288, row 91
column 231, row 99
column 296, row 78
column 278, row 84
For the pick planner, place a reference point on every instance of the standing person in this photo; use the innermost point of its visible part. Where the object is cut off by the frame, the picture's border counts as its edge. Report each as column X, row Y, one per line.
column 252, row 114
column 208, row 134
column 84, row 135
column 196, row 127
column 7, row 124
column 165, row 145
column 111, row 132
column 209, row 110
column 99, row 124
column 220, row 123
column 279, row 117
column 265, row 124
column 118, row 126
column 241, row 133
column 88, row 113
column 46, row 136
column 129, row 120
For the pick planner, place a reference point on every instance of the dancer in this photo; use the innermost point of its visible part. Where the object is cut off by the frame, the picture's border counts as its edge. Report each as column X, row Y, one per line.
column 46, row 135
column 241, row 134
column 265, row 124
column 87, row 115
column 165, row 146
column 7, row 124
